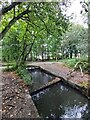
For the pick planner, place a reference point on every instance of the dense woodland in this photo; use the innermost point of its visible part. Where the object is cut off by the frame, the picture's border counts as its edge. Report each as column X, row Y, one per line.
column 40, row 36
column 41, row 31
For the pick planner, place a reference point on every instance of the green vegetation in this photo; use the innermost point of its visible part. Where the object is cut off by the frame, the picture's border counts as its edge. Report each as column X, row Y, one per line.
column 21, row 71
column 40, row 31
column 34, row 34
column 83, row 61
column 70, row 62
column 9, row 68
column 75, row 41
column 24, row 74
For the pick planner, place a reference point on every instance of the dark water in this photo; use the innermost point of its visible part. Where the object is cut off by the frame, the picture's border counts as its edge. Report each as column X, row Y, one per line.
column 62, row 102
column 39, row 78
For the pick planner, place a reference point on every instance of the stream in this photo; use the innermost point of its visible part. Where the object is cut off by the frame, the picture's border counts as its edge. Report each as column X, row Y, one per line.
column 59, row 100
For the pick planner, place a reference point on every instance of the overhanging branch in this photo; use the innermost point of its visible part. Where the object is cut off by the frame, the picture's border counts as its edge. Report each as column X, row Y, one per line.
column 2, row 34
column 6, row 9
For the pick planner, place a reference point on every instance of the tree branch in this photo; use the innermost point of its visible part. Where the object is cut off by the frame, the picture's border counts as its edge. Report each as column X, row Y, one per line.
column 2, row 34
column 43, row 23
column 6, row 9
column 14, row 12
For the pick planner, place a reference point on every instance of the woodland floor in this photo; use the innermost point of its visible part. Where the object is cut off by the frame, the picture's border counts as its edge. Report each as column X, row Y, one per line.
column 16, row 101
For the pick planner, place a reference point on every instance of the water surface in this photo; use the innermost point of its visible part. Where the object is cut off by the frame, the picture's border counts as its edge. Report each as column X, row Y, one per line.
column 39, row 78
column 62, row 102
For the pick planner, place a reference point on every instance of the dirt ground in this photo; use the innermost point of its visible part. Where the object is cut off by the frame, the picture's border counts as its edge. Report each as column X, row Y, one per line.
column 16, row 101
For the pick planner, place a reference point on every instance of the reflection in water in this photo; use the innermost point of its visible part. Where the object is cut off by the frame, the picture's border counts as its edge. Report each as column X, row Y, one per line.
column 62, row 102
column 74, row 112
column 39, row 78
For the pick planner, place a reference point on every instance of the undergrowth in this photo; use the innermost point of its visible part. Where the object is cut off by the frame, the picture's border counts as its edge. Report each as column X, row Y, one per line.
column 71, row 63
column 24, row 74
column 21, row 72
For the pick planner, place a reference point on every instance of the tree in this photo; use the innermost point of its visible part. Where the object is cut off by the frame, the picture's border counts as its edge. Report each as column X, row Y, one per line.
column 75, row 40
column 18, row 10
column 41, row 21
column 12, row 16
column 5, row 9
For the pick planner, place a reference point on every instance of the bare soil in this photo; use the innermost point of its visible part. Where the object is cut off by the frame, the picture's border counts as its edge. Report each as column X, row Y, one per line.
column 16, row 101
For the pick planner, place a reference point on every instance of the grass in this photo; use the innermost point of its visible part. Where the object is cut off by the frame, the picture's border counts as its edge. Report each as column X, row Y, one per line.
column 25, row 75
column 69, row 62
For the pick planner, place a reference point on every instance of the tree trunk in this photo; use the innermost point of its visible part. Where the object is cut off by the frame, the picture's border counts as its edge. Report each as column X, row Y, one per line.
column 42, row 56
column 75, row 54
column 48, row 56
column 71, row 52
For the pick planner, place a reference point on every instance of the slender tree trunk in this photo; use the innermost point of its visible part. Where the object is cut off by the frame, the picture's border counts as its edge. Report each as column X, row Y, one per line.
column 23, row 49
column 42, row 56
column 70, row 52
column 48, row 56
column 36, row 55
column 27, row 53
column 75, row 54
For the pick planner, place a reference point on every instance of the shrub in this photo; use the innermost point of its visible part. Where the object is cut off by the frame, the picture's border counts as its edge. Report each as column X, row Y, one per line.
column 83, row 60
column 24, row 74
